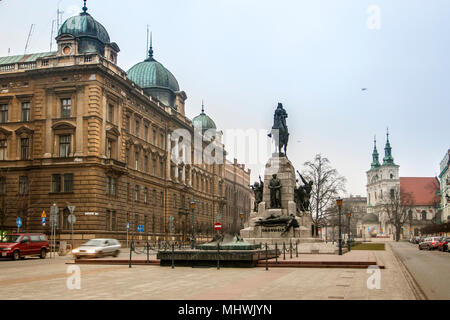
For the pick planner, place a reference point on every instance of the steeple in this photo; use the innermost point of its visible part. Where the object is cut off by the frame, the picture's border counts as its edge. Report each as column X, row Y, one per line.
column 375, row 162
column 150, row 51
column 388, row 159
column 203, row 108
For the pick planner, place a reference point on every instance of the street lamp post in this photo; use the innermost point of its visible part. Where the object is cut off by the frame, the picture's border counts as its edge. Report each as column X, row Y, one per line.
column 192, row 206
column 349, row 215
column 339, row 204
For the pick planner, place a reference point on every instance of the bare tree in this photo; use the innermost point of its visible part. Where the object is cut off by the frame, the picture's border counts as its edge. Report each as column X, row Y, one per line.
column 327, row 184
column 396, row 207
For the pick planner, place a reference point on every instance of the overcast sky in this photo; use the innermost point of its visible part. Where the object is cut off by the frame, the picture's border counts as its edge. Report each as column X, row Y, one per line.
column 244, row 56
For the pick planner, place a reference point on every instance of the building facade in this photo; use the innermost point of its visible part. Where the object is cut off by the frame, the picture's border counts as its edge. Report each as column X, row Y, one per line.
column 77, row 130
column 444, row 177
column 418, row 196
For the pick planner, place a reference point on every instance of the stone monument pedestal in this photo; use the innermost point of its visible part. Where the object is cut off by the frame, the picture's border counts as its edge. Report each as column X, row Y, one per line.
column 300, row 236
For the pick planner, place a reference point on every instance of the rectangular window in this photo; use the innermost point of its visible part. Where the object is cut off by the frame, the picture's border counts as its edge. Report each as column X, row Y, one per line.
column 108, row 184
column 162, row 141
column 108, row 220
column 23, row 185
column 113, row 220
column 66, row 105
column 146, row 132
column 162, row 199
column 153, row 166
column 113, row 186
column 111, row 113
column 2, row 185
column 3, row 113
column 56, row 183
column 64, row 146
column 25, row 111
column 154, row 137
column 136, row 192
column 137, row 127
column 127, row 156
column 146, row 163
column 24, row 148
column 127, row 123
column 109, row 149
column 68, row 182
column 145, row 195
column 3, row 149
column 136, row 159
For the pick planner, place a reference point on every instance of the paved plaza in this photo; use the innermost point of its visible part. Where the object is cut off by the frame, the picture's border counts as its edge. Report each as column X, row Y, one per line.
column 47, row 279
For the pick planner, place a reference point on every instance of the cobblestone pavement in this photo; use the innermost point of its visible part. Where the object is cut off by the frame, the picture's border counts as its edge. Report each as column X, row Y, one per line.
column 47, row 279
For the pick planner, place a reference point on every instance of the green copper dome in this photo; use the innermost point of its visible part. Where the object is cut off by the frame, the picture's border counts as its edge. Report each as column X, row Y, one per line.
column 150, row 73
column 203, row 122
column 84, row 25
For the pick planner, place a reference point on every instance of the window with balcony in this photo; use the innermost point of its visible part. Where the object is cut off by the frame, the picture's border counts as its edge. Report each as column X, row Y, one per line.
column 25, row 111
column 64, row 145
column 66, row 106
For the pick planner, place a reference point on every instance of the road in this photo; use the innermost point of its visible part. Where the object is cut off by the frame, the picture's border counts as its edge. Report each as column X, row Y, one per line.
column 430, row 269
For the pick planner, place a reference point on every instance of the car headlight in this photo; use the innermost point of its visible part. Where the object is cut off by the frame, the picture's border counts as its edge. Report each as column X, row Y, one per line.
column 6, row 249
column 75, row 251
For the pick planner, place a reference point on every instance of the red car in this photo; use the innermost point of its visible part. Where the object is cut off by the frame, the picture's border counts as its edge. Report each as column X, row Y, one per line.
column 443, row 244
column 19, row 245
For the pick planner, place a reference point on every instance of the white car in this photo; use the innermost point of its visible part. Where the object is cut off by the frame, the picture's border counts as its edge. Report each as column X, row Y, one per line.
column 98, row 248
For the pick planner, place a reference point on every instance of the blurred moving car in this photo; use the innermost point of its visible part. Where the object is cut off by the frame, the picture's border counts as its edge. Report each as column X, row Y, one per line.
column 430, row 243
column 19, row 245
column 443, row 244
column 98, row 248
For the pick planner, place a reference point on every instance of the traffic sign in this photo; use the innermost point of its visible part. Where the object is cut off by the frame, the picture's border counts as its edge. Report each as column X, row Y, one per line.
column 71, row 218
column 218, row 226
column 18, row 222
column 140, row 228
column 71, row 208
column 128, row 225
column 43, row 221
column 43, row 214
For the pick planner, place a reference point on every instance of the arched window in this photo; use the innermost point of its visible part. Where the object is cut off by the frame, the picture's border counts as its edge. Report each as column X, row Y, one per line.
column 424, row 215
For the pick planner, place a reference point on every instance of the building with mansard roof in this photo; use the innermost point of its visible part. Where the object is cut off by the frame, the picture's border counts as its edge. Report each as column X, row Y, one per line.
column 77, row 130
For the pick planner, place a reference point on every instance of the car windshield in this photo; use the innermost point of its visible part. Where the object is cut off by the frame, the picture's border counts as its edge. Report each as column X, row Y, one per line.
column 11, row 238
column 94, row 243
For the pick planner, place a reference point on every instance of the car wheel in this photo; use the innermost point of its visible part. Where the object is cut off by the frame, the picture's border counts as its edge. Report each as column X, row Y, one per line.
column 43, row 254
column 16, row 255
column 116, row 253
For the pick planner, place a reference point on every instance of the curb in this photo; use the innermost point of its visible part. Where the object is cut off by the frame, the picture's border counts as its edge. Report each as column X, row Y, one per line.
column 415, row 288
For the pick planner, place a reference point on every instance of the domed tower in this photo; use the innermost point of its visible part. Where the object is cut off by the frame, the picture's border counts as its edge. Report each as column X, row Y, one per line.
column 82, row 34
column 158, row 82
column 204, row 122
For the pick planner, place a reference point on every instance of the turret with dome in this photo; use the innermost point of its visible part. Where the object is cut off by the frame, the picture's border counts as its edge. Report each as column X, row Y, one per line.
column 204, row 122
column 156, row 80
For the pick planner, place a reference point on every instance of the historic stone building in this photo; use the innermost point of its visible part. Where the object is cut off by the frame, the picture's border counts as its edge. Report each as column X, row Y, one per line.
column 237, row 186
column 75, row 129
column 418, row 194
column 445, row 188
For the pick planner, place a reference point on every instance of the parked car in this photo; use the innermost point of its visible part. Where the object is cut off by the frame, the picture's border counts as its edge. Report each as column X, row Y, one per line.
column 443, row 244
column 98, row 248
column 430, row 243
column 19, row 245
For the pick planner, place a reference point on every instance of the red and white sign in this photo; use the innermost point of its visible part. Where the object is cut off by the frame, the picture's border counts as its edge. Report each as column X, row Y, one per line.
column 218, row 226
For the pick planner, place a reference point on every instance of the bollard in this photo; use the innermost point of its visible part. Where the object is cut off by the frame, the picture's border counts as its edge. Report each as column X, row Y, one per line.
column 218, row 255
column 267, row 259
column 173, row 253
column 148, row 251
column 296, row 249
column 290, row 248
column 284, row 251
column 276, row 253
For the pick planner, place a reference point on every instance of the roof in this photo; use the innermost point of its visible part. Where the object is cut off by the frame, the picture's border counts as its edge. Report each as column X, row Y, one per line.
column 423, row 190
column 151, row 73
column 84, row 25
column 203, row 122
column 25, row 58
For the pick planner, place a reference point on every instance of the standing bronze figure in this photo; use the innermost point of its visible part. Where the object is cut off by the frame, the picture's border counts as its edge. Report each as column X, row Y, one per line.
column 303, row 194
column 279, row 132
column 275, row 192
column 258, row 188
